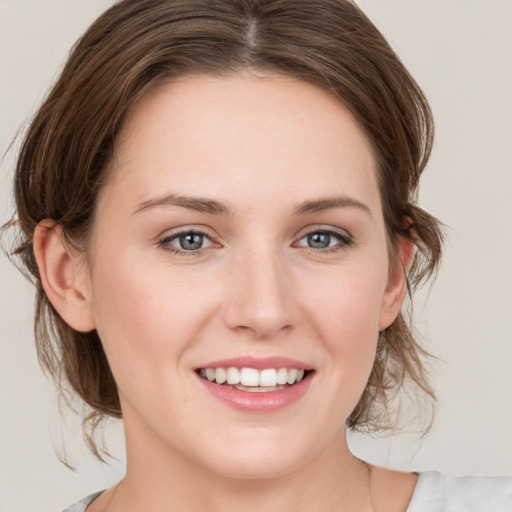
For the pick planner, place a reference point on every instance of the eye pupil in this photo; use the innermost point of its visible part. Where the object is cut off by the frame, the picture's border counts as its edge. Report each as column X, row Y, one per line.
column 319, row 240
column 191, row 241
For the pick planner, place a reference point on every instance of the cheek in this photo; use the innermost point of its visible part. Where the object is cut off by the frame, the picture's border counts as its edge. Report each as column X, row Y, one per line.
column 345, row 310
column 348, row 303
column 145, row 313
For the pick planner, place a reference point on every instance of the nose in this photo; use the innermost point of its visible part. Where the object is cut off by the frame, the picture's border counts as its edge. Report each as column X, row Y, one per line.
column 260, row 301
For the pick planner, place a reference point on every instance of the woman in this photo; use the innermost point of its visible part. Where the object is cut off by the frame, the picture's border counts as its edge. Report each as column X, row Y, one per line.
column 218, row 205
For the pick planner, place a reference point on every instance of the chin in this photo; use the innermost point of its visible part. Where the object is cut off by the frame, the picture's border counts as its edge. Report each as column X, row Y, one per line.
column 264, row 457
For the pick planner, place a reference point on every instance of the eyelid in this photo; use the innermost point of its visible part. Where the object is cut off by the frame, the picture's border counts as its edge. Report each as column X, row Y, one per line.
column 183, row 230
column 314, row 228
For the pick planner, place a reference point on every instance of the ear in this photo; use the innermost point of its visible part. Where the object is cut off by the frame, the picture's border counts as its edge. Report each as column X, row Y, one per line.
column 63, row 275
column 397, row 283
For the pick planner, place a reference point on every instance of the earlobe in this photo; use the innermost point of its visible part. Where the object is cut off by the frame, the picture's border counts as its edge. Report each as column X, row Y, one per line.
column 63, row 276
column 397, row 283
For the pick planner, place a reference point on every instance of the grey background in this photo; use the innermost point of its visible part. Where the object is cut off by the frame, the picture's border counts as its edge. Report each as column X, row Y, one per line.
column 460, row 51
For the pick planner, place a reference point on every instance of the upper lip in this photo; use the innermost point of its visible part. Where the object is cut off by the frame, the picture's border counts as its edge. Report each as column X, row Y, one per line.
column 259, row 363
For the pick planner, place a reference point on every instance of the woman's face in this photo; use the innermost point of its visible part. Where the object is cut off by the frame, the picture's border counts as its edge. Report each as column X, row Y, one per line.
column 242, row 228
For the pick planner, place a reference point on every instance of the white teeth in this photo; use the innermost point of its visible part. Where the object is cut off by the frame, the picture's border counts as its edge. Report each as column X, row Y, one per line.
column 249, row 377
column 270, row 379
column 282, row 376
column 233, row 376
column 292, row 375
column 220, row 375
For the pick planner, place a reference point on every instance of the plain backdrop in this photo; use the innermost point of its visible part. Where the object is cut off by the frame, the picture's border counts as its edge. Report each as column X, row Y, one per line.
column 460, row 51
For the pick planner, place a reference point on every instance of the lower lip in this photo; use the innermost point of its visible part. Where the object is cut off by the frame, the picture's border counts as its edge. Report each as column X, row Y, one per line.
column 258, row 402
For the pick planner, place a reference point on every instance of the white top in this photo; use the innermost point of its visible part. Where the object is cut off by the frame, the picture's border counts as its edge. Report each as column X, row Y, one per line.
column 435, row 492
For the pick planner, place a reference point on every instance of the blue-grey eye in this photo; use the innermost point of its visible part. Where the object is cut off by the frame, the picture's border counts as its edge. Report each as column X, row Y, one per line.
column 191, row 241
column 323, row 240
column 319, row 240
column 187, row 241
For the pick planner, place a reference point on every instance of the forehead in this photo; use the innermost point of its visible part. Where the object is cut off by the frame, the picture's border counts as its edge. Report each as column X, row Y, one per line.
column 258, row 133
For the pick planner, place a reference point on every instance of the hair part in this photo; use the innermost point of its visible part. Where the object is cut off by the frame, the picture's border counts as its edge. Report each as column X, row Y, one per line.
column 136, row 44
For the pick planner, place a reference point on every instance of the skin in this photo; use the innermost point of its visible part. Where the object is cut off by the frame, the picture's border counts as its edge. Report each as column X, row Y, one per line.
column 261, row 146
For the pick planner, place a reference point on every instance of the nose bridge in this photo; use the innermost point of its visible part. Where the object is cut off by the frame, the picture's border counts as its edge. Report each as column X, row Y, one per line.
column 260, row 302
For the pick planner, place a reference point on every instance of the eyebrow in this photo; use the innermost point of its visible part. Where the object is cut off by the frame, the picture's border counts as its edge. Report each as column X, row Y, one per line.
column 330, row 203
column 198, row 204
column 213, row 207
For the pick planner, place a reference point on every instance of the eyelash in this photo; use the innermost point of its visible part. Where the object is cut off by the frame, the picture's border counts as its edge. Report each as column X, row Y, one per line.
column 344, row 241
column 165, row 242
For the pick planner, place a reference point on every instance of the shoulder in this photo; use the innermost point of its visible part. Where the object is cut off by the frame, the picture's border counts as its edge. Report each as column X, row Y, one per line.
column 436, row 492
column 81, row 505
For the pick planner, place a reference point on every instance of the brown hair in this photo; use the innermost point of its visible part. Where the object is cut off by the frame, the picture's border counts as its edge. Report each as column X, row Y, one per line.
column 138, row 43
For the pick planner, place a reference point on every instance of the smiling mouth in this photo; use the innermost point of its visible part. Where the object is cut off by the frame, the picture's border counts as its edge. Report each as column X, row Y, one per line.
column 253, row 380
